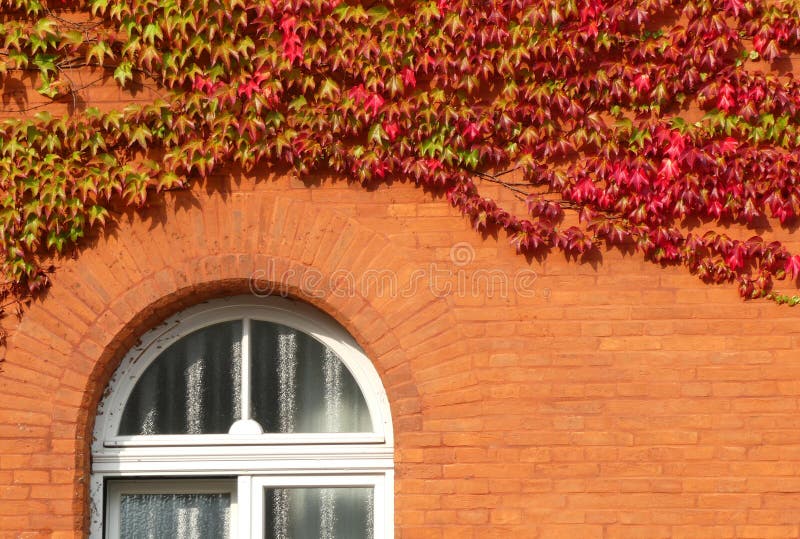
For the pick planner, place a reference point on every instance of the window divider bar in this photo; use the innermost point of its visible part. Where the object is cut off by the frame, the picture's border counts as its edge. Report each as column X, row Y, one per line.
column 245, row 377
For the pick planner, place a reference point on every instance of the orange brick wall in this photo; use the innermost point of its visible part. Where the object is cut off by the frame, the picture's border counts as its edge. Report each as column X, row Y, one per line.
column 604, row 399
column 608, row 398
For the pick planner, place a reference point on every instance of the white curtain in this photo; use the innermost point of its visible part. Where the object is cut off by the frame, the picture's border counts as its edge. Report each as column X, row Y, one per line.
column 297, row 385
column 290, row 513
column 300, row 385
column 175, row 516
column 319, row 513
column 193, row 387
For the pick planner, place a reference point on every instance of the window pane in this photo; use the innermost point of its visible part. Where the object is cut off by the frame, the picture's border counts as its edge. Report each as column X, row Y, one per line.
column 324, row 513
column 174, row 516
column 300, row 385
column 192, row 387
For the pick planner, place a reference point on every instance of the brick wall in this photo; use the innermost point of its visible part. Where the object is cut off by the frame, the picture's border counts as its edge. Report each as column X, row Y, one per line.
column 606, row 398
column 603, row 398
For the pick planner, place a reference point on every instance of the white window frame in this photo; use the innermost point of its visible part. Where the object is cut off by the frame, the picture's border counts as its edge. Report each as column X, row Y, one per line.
column 258, row 484
column 246, row 456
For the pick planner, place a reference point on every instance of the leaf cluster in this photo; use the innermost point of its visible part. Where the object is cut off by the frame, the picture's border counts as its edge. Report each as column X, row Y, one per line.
column 586, row 100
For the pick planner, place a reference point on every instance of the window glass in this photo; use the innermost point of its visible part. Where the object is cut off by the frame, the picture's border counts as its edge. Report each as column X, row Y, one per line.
column 324, row 513
column 300, row 385
column 174, row 516
column 192, row 387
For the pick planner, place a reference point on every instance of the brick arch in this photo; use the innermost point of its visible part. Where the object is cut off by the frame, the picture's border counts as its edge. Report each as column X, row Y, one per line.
column 102, row 301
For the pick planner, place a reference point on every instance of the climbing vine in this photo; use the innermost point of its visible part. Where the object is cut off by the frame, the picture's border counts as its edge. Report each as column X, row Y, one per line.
column 591, row 103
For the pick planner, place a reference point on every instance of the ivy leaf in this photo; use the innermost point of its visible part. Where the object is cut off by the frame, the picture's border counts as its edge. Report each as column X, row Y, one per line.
column 378, row 13
column 329, row 89
column 298, row 103
column 71, row 38
column 97, row 214
column 100, row 51
column 98, row 6
column 792, row 266
column 374, row 103
column 151, row 32
column 123, row 72
column 169, row 180
column 46, row 63
column 376, row 134
column 48, row 86
column 20, row 59
column 141, row 135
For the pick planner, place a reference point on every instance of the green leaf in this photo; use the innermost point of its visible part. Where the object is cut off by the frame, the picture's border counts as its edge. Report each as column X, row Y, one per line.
column 100, row 51
column 141, row 135
column 72, row 38
column 123, row 73
column 151, row 32
column 47, row 86
column 169, row 180
column 99, row 6
column 44, row 27
column 20, row 59
column 97, row 213
column 298, row 103
column 329, row 90
column 46, row 63
column 376, row 134
column 378, row 13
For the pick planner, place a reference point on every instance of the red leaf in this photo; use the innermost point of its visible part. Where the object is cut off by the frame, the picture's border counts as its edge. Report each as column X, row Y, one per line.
column 734, row 6
column 638, row 179
column 358, row 93
column 374, row 102
column 471, row 131
column 735, row 258
column 642, row 83
column 725, row 98
column 771, row 50
column 433, row 164
column 291, row 42
column 247, row 89
column 676, row 145
column 199, row 82
column 391, row 129
column 793, row 266
column 729, row 145
column 287, row 24
column 584, row 190
column 669, row 169
column 715, row 208
column 409, row 79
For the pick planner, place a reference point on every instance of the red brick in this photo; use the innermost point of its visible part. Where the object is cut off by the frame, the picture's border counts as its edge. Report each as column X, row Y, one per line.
column 767, row 532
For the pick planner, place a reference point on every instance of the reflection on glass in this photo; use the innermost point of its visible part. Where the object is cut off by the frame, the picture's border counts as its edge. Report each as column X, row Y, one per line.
column 319, row 513
column 192, row 387
column 300, row 385
column 175, row 516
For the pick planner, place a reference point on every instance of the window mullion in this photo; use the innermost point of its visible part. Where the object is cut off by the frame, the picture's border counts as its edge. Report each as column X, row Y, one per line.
column 244, row 505
column 245, row 425
column 245, row 376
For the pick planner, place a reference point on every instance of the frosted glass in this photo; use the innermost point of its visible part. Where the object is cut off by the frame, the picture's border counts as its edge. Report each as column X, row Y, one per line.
column 319, row 513
column 175, row 516
column 300, row 385
column 192, row 387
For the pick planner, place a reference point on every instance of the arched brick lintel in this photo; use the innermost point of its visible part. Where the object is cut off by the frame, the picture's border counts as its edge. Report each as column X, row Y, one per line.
column 382, row 347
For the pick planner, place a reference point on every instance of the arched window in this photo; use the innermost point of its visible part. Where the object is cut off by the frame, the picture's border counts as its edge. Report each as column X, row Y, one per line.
column 244, row 418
